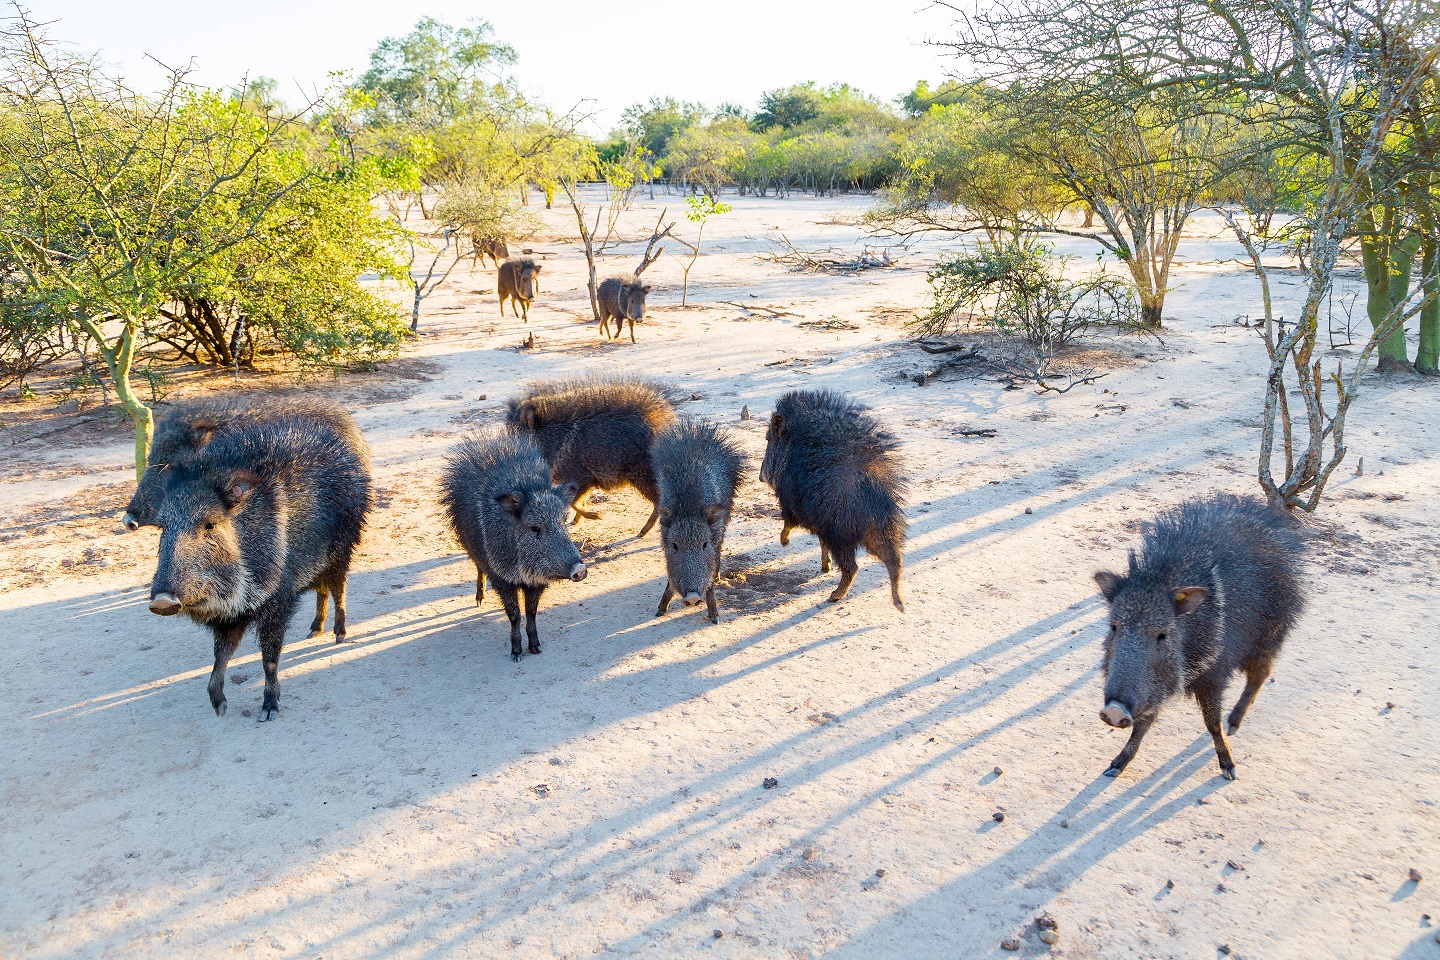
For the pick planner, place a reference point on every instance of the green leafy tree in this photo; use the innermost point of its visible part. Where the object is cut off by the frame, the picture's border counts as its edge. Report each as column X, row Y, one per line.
column 698, row 209
column 436, row 72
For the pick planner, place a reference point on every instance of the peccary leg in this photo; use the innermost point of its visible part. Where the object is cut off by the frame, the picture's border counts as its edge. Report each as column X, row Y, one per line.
column 605, row 327
column 712, row 609
column 824, row 559
column 337, row 592
column 888, row 553
column 532, row 607
column 322, row 606
column 1137, row 733
column 479, row 585
column 632, row 330
column 1256, row 673
column 665, row 599
column 587, row 514
column 785, row 528
column 654, row 515
column 1210, row 709
column 510, row 598
column 845, row 560
column 227, row 638
column 271, row 626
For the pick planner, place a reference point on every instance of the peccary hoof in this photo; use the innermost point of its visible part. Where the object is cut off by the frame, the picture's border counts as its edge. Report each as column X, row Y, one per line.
column 1113, row 772
column 220, row 708
column 514, row 658
column 339, row 638
column 715, row 620
column 314, row 632
column 1228, row 773
column 268, row 713
column 661, row 612
column 534, row 648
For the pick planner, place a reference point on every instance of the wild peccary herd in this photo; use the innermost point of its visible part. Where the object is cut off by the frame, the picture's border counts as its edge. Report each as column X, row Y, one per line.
column 262, row 499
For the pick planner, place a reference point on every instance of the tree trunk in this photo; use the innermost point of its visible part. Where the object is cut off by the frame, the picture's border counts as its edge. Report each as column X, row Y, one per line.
column 1428, row 352
column 1089, row 217
column 118, row 360
column 415, row 309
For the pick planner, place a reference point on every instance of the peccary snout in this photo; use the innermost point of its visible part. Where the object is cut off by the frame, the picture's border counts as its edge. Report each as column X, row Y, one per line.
column 130, row 522
column 165, row 604
column 1116, row 715
column 578, row 572
column 693, row 599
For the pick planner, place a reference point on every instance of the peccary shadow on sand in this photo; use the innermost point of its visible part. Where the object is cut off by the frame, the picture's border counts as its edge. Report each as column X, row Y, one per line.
column 351, row 685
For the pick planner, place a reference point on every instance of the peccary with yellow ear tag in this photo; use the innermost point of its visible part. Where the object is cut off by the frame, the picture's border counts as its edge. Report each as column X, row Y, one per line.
column 1214, row 591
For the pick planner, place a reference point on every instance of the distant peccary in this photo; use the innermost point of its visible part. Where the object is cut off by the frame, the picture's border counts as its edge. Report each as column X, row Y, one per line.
column 597, row 433
column 264, row 512
column 829, row 463
column 698, row 470
column 1215, row 590
column 184, row 429
column 492, row 247
column 519, row 280
column 621, row 300
column 511, row 520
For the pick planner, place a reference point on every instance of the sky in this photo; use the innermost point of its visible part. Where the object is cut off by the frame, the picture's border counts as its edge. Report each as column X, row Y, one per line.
column 569, row 54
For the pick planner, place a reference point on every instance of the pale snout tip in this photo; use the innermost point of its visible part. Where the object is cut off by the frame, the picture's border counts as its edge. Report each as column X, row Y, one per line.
column 1116, row 715
column 164, row 604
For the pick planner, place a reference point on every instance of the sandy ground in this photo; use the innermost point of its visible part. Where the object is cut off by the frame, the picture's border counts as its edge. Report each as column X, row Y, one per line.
column 422, row 796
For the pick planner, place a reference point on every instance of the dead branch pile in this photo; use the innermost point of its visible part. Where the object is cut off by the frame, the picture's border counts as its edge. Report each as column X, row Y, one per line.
column 829, row 260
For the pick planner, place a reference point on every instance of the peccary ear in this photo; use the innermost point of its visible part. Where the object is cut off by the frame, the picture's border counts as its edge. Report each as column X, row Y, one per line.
column 513, row 502
column 1188, row 598
column 776, row 422
column 238, row 488
column 714, row 514
column 645, row 288
column 569, row 491
column 665, row 515
column 201, row 431
column 528, row 417
column 1110, row 583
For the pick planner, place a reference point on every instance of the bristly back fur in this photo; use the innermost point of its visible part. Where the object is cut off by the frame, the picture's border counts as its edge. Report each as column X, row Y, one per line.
column 582, row 397
column 697, row 465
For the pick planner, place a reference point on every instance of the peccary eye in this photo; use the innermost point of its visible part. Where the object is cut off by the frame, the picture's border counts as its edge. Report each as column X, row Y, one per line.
column 1160, row 636
column 536, row 530
column 209, row 526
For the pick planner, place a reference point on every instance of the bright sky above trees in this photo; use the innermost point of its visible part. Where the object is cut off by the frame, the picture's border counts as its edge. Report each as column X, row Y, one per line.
column 707, row 51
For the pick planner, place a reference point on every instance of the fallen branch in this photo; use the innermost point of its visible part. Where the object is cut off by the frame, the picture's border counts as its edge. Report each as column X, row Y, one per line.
column 984, row 434
column 773, row 312
column 829, row 260
column 932, row 347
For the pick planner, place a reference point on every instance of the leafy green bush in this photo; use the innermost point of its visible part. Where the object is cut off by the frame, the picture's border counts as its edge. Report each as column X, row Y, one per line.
column 1019, row 289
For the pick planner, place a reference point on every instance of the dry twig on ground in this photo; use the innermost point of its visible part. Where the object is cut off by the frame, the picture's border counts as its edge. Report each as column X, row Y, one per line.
column 829, row 260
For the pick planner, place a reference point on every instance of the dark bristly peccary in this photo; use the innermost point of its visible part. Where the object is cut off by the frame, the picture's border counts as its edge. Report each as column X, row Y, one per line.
column 620, row 300
column 597, row 432
column 511, row 521
column 265, row 511
column 184, row 429
column 698, row 469
column 519, row 281
column 832, row 467
column 1214, row 591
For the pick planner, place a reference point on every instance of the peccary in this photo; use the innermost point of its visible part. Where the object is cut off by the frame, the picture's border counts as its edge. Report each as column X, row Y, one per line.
column 185, row 428
column 831, row 466
column 511, row 521
column 267, row 510
column 698, row 469
column 1215, row 590
column 519, row 280
column 492, row 247
column 597, row 433
column 621, row 300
